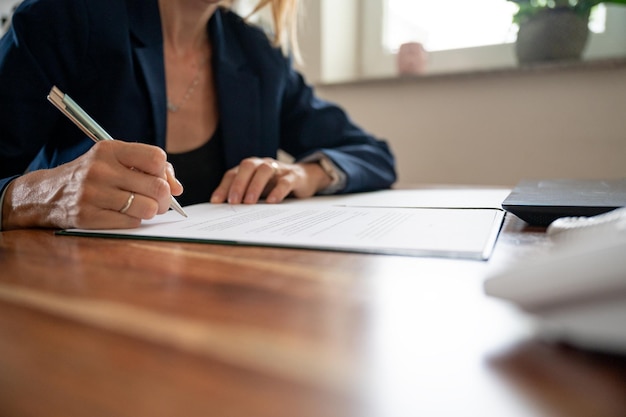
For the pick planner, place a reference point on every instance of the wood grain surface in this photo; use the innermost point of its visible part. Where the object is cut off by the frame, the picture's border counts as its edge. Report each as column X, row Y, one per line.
column 105, row 327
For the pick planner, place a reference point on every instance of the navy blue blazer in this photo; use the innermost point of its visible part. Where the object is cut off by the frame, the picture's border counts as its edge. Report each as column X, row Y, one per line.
column 108, row 56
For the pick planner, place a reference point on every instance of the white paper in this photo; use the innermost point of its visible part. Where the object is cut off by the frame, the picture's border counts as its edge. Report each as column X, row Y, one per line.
column 329, row 223
column 437, row 197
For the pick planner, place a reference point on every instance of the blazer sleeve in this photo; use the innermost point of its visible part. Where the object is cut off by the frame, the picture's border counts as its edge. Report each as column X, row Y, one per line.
column 310, row 125
column 37, row 51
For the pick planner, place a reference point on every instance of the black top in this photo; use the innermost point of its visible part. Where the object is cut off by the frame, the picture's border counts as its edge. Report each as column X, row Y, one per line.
column 199, row 170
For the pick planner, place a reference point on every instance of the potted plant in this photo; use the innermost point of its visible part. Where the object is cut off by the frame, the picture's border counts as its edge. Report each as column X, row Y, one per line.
column 552, row 30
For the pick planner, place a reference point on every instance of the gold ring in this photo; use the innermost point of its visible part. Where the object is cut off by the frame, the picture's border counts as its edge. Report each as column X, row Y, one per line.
column 129, row 202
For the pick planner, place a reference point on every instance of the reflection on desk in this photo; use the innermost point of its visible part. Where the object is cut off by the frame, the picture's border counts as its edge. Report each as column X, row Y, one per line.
column 101, row 327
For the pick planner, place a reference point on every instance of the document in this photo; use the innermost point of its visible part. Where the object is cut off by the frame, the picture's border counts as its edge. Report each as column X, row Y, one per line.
column 330, row 223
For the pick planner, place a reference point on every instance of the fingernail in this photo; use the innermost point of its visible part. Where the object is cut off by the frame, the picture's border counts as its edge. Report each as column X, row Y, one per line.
column 170, row 168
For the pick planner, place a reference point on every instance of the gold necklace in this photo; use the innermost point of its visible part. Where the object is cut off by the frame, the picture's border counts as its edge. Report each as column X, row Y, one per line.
column 171, row 107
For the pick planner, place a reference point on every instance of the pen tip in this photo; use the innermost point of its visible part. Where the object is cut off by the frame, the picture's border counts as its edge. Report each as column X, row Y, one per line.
column 177, row 207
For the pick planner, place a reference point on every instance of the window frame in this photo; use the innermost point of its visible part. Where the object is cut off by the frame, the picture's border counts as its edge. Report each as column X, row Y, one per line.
column 376, row 62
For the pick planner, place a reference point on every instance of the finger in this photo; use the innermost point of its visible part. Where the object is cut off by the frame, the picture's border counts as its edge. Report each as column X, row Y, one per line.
column 176, row 187
column 147, row 175
column 155, row 188
column 90, row 216
column 284, row 186
column 139, row 207
column 240, row 182
column 142, row 184
column 262, row 176
column 139, row 156
column 220, row 194
column 107, row 182
column 115, row 200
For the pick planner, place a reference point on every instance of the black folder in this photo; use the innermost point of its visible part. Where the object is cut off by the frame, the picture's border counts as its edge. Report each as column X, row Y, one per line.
column 540, row 202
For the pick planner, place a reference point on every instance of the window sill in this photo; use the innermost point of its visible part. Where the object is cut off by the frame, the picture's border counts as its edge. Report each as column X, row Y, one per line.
column 543, row 68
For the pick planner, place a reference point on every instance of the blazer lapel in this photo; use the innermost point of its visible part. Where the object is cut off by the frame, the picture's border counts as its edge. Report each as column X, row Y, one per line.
column 238, row 93
column 145, row 23
column 237, row 85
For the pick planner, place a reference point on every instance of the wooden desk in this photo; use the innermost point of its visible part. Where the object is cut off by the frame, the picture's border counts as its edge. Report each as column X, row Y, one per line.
column 98, row 327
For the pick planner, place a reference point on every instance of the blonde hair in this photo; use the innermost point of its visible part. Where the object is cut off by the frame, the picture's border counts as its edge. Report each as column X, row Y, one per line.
column 284, row 23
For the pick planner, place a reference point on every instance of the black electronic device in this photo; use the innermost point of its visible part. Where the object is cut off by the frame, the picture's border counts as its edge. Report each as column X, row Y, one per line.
column 540, row 202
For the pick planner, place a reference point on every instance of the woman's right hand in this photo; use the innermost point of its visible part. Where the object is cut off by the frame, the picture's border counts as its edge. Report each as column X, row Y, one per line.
column 90, row 191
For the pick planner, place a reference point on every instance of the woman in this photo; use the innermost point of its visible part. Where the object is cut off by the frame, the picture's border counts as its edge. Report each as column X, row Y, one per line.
column 184, row 80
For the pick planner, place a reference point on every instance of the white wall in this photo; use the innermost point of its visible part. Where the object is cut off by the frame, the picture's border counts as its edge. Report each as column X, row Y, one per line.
column 487, row 127
column 6, row 9
column 497, row 128
column 6, row 5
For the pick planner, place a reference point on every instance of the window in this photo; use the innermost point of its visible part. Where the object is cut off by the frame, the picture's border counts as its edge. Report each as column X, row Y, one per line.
column 460, row 35
column 344, row 40
column 473, row 23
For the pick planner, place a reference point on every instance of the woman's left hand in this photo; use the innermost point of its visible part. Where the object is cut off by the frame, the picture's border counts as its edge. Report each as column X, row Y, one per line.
column 255, row 178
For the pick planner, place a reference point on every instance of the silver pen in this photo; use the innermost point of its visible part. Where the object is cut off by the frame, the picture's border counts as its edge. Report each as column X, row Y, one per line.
column 89, row 126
